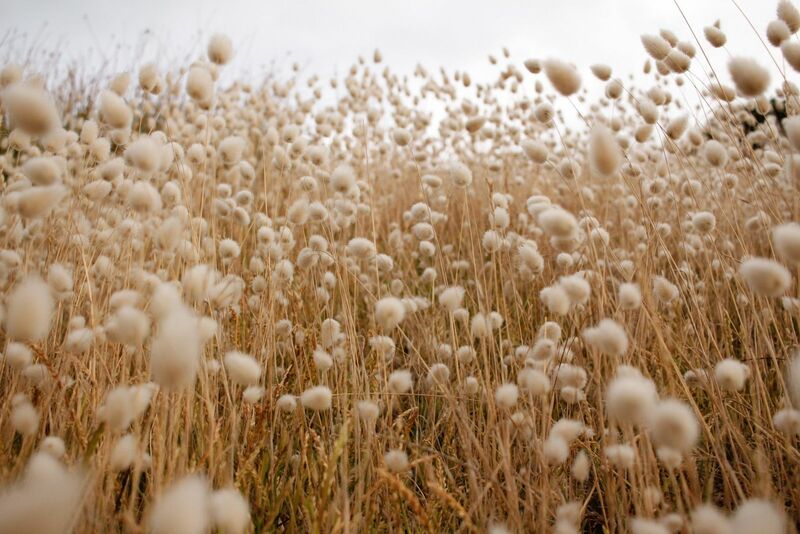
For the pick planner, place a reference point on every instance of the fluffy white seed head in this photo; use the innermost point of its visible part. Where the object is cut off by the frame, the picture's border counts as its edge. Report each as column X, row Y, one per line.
column 704, row 222
column 114, row 111
column 128, row 326
column 656, row 46
column 506, row 395
column 322, row 360
column 368, row 411
column 124, row 452
column 242, row 368
column 708, row 519
column 42, row 170
column 715, row 153
column 533, row 382
column 731, row 374
column 534, row 66
column 558, row 222
column 343, row 178
column 29, row 309
column 630, row 399
column 253, row 394
column 555, row 450
column 458, row 173
column 197, row 283
column 54, row 446
column 609, row 337
column 664, row 290
column 176, row 349
column 59, row 278
column 778, row 32
column 143, row 197
column 438, row 374
column 18, row 356
column 563, row 76
column 317, row 398
column 389, row 313
column 677, row 126
column 330, row 330
column 581, row 467
column 640, row 525
column 122, row 405
column 474, row 124
column 765, row 277
column 31, row 109
column 220, row 49
column 400, row 382
column 230, row 511
column 396, row 461
column 750, row 78
column 36, row 202
column 401, row 136
column 604, row 151
column 480, row 326
column 46, row 500
column 200, row 85
column 25, row 418
column 789, row 14
column 229, row 249
column 629, row 296
column 620, row 456
column 231, row 149
column 787, row 421
column 786, row 240
column 286, row 403
column 535, row 150
column 577, row 288
column 452, row 298
column 758, row 515
column 674, row 425
column 602, row 71
column 715, row 36
column 556, row 299
column 182, row 508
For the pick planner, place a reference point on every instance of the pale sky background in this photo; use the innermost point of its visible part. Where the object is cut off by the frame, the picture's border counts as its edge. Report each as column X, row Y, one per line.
column 326, row 36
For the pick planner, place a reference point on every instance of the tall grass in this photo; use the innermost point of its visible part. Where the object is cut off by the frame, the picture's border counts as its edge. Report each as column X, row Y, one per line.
column 307, row 306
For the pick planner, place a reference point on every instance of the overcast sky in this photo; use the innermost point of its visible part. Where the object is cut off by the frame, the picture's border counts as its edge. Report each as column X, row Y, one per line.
column 326, row 35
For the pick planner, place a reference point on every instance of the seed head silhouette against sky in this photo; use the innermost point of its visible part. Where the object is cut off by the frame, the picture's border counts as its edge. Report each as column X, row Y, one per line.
column 326, row 36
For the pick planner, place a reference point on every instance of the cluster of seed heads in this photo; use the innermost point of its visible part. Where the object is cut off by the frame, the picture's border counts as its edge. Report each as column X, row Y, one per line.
column 306, row 305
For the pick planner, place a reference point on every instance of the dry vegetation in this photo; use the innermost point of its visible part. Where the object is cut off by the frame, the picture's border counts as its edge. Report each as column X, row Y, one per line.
column 307, row 306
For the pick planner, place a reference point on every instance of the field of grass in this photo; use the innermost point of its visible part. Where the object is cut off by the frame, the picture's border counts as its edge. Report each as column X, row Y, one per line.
column 312, row 305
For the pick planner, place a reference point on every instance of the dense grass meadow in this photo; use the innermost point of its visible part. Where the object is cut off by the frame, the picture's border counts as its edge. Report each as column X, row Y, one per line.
column 404, row 302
